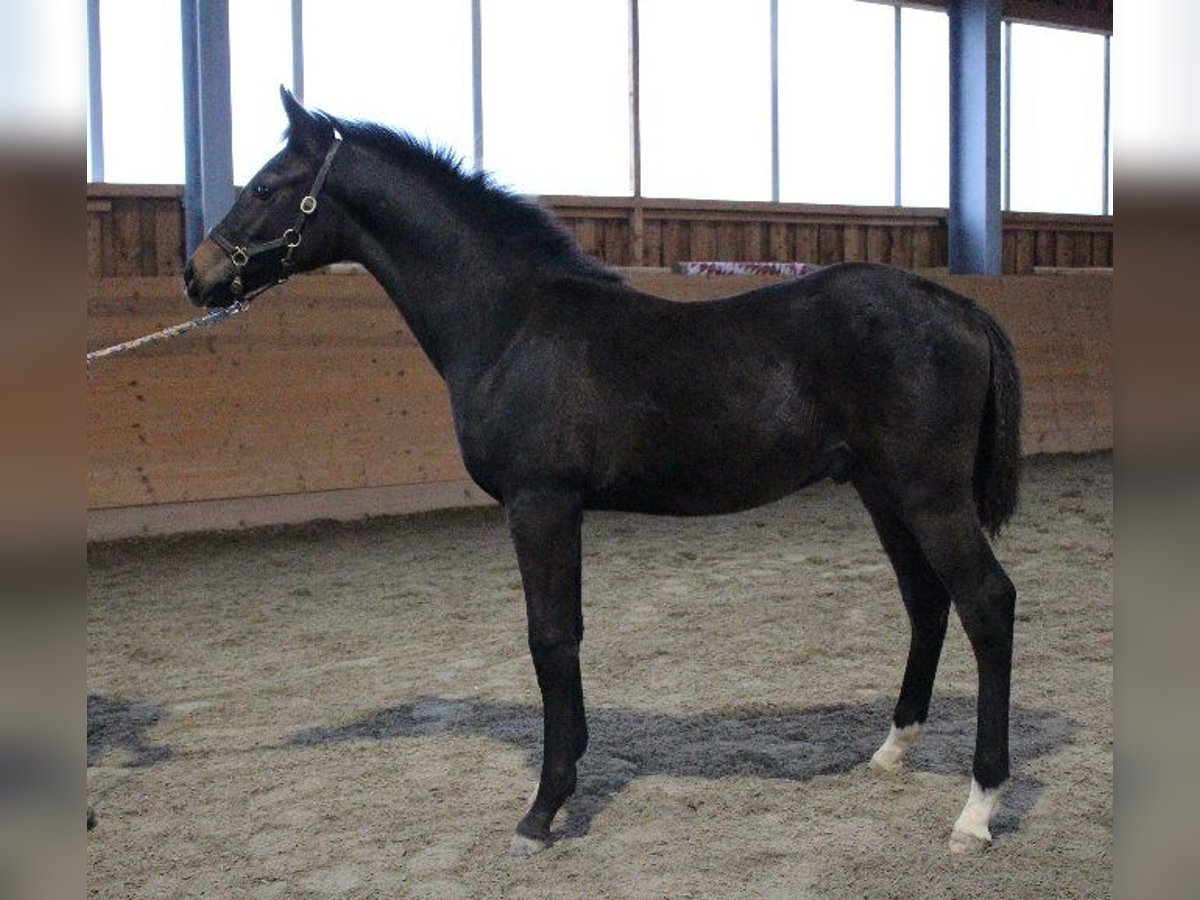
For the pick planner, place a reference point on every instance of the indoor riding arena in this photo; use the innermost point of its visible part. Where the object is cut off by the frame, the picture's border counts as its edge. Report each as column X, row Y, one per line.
column 309, row 667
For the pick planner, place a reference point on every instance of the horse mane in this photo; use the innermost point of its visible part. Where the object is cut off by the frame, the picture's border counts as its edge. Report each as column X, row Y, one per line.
column 520, row 225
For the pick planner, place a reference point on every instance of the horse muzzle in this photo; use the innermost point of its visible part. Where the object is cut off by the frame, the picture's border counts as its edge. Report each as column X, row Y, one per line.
column 208, row 275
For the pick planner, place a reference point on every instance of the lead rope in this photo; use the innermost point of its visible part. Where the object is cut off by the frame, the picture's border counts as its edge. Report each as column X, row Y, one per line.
column 214, row 317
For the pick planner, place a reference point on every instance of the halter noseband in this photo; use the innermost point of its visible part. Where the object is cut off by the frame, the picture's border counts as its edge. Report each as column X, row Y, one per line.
column 241, row 254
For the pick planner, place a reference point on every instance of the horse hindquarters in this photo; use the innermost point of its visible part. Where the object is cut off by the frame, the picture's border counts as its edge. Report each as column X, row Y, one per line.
column 928, row 503
column 545, row 528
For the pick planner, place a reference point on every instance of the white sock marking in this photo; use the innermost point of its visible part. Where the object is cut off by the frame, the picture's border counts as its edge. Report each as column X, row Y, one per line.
column 971, row 830
column 890, row 756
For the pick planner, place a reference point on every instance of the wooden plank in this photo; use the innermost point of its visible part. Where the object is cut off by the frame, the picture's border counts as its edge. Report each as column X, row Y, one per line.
column 779, row 242
column 729, row 241
column 830, row 244
column 637, row 237
column 806, row 244
column 147, row 242
column 901, row 255
column 1082, row 257
column 107, row 190
column 1102, row 249
column 879, row 244
column 287, row 509
column 586, row 235
column 652, row 246
column 1064, row 248
column 703, row 241
column 676, row 241
column 754, row 242
column 95, row 238
column 614, row 247
column 1044, row 248
column 941, row 247
column 126, row 238
column 922, row 249
column 1008, row 253
column 1026, row 252
column 854, row 239
column 168, row 239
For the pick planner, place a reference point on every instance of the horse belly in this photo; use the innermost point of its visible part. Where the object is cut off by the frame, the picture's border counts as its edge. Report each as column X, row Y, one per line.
column 713, row 477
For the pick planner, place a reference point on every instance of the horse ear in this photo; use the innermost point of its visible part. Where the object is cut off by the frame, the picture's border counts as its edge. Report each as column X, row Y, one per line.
column 304, row 128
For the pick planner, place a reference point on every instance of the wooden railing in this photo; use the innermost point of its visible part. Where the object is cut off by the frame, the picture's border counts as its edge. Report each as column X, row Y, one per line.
column 138, row 231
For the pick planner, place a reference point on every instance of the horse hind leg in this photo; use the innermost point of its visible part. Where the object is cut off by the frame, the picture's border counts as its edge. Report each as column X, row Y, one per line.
column 928, row 607
column 985, row 599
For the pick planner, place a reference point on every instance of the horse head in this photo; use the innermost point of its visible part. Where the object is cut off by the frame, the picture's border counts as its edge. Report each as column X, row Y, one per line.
column 280, row 223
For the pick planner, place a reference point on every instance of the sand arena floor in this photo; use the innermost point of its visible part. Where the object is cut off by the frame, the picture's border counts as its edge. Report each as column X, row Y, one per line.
column 350, row 710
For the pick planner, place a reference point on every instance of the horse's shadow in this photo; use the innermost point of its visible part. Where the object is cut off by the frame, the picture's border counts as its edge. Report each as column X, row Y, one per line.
column 121, row 725
column 794, row 745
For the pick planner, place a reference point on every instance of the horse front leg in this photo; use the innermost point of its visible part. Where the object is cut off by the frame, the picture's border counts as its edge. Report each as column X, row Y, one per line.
column 545, row 529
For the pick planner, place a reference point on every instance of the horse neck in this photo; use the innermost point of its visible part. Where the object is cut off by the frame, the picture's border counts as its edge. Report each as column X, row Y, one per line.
column 446, row 279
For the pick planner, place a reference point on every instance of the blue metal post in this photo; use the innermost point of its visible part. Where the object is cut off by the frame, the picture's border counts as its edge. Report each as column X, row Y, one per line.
column 193, row 211
column 208, row 115
column 95, row 93
column 298, row 49
column 975, row 239
column 477, row 81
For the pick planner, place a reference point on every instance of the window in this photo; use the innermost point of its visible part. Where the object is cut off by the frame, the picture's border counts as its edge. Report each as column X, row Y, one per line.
column 556, row 95
column 1056, row 145
column 405, row 63
column 836, row 102
column 924, row 108
column 706, row 99
column 260, row 59
column 142, row 75
column 555, row 92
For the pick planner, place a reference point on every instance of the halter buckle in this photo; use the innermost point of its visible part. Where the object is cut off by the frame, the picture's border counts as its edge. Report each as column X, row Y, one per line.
column 292, row 238
column 239, row 256
column 308, row 205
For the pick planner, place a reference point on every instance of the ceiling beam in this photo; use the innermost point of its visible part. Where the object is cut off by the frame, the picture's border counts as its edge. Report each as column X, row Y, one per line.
column 1078, row 15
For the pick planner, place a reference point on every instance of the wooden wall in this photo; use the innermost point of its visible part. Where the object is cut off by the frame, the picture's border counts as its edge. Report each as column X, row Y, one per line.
column 318, row 403
column 134, row 230
column 138, row 230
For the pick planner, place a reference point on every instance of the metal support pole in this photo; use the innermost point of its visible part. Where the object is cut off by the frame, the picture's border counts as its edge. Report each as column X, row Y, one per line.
column 897, row 85
column 1006, row 200
column 95, row 94
column 635, row 100
column 976, row 238
column 775, row 100
column 208, row 115
column 1106, row 205
column 477, row 80
column 298, row 49
column 193, row 194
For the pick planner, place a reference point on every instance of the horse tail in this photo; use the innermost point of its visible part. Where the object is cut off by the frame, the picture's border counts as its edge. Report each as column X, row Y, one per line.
column 998, row 456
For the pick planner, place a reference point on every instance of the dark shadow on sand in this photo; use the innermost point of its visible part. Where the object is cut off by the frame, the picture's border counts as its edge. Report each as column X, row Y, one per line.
column 795, row 745
column 121, row 725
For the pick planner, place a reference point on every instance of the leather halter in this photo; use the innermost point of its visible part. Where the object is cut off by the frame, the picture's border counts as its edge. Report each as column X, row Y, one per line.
column 241, row 254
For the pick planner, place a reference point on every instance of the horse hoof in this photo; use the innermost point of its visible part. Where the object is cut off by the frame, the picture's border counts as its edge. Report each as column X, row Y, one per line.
column 964, row 839
column 887, row 759
column 890, row 756
column 524, row 847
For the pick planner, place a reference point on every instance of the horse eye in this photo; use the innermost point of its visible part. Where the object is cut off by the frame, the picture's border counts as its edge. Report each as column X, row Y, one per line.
column 262, row 191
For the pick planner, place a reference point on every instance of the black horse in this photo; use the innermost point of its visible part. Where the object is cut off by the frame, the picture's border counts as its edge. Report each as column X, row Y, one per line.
column 572, row 391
